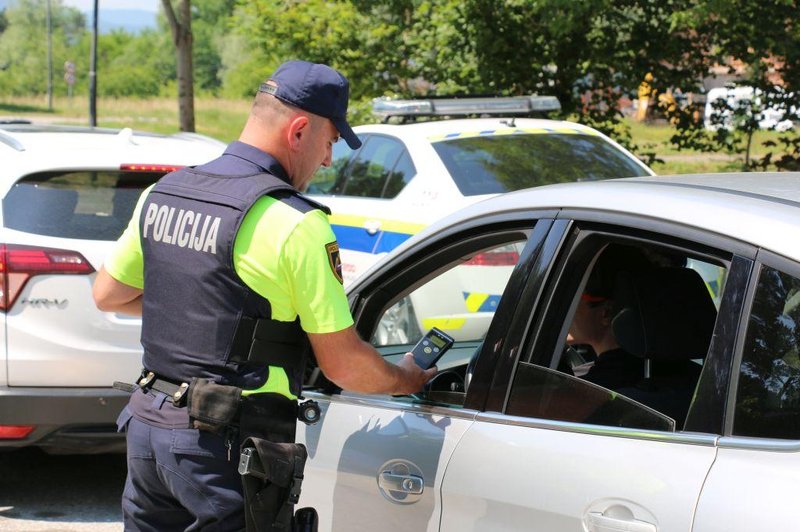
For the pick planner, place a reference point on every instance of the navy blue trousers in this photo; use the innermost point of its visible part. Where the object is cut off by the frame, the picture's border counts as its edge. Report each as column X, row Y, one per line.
column 180, row 479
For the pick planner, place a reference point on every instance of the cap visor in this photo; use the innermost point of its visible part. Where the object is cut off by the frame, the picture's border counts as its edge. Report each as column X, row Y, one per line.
column 347, row 133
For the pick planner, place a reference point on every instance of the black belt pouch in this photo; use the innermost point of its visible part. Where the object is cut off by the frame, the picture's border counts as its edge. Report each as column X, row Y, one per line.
column 212, row 406
column 269, row 416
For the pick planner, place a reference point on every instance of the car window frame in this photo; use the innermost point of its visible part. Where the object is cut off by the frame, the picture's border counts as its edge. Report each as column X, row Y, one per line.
column 718, row 370
column 657, row 231
column 771, row 260
column 411, row 269
column 392, row 174
column 498, row 360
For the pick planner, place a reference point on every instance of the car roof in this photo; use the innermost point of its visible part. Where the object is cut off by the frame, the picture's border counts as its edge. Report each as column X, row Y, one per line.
column 762, row 209
column 51, row 147
column 435, row 128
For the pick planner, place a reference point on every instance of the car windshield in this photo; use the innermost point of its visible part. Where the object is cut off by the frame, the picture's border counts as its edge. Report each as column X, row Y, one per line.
column 495, row 164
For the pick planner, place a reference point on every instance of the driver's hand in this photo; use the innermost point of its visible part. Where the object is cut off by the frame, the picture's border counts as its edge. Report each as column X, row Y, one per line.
column 414, row 377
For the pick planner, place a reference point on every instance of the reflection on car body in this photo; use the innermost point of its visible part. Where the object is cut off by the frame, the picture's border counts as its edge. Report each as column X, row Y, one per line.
column 512, row 435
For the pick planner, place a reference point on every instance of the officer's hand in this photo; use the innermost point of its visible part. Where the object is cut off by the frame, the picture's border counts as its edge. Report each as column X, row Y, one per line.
column 414, row 377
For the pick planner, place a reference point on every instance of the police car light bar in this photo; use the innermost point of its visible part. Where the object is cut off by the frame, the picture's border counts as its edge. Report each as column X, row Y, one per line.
column 387, row 107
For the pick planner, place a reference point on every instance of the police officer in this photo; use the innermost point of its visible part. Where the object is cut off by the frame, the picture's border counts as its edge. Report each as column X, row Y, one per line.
column 212, row 254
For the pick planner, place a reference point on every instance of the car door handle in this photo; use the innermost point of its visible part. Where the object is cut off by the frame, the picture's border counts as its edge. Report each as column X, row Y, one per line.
column 601, row 523
column 403, row 483
column 372, row 226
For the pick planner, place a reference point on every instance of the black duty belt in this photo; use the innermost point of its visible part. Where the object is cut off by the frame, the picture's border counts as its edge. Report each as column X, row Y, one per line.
column 175, row 392
column 178, row 393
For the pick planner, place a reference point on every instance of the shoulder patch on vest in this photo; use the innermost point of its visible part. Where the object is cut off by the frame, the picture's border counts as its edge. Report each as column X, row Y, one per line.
column 334, row 260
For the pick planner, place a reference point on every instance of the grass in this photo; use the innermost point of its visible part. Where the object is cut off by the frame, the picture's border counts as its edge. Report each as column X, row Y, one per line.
column 659, row 133
column 655, row 136
column 223, row 119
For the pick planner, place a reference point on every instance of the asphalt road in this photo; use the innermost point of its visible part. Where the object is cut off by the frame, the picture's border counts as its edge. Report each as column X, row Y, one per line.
column 39, row 492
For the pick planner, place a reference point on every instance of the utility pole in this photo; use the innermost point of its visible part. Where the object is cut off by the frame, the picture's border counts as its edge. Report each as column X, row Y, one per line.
column 49, row 58
column 93, row 72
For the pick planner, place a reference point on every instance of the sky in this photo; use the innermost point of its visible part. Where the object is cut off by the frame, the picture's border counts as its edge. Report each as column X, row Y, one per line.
column 88, row 5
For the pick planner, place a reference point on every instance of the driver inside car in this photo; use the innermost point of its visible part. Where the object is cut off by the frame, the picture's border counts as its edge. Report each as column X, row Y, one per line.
column 613, row 367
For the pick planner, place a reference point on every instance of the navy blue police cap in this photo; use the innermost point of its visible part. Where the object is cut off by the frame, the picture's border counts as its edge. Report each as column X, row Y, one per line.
column 315, row 88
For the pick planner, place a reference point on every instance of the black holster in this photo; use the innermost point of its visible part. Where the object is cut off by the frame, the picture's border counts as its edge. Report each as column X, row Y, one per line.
column 272, row 475
column 271, row 465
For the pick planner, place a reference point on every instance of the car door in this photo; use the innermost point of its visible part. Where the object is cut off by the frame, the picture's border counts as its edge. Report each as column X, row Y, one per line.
column 549, row 450
column 376, row 462
column 754, row 478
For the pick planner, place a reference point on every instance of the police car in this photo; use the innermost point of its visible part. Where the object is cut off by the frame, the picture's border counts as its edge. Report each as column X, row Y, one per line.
column 510, row 435
column 67, row 195
column 405, row 176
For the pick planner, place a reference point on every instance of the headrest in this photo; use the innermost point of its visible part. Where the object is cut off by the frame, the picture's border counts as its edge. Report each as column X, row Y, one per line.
column 666, row 314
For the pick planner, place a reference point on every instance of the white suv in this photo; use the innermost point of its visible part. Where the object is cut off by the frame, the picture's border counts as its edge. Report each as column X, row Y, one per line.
column 67, row 194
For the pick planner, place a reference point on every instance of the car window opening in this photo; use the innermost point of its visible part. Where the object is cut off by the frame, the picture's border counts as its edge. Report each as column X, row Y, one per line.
column 638, row 334
column 460, row 300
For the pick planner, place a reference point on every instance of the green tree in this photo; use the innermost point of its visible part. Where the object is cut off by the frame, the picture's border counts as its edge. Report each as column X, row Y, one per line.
column 271, row 31
column 180, row 23
column 765, row 37
column 134, row 65
column 386, row 47
column 23, row 45
column 591, row 55
column 210, row 26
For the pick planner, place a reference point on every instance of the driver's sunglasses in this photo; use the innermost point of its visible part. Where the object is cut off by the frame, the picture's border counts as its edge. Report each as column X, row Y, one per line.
column 593, row 301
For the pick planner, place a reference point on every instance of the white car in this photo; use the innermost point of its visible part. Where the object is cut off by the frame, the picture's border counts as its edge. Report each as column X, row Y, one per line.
column 512, row 434
column 67, row 194
column 749, row 103
column 406, row 176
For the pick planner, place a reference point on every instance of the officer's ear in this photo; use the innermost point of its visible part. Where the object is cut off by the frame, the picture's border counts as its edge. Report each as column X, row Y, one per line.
column 299, row 126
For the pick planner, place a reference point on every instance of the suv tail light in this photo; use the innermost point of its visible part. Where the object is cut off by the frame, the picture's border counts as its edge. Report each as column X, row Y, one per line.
column 15, row 432
column 20, row 263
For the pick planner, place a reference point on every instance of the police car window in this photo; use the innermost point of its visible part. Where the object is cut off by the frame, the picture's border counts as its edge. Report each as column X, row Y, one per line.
column 326, row 178
column 633, row 341
column 768, row 393
column 493, row 164
column 92, row 205
column 372, row 167
column 400, row 175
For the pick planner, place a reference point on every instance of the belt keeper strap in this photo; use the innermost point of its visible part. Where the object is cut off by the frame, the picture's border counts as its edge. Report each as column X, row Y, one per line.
column 175, row 392
column 125, row 387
